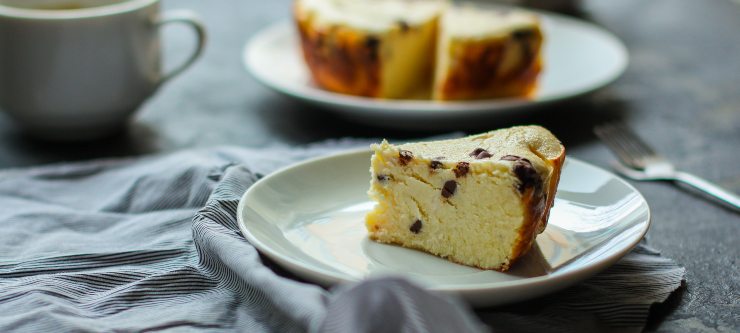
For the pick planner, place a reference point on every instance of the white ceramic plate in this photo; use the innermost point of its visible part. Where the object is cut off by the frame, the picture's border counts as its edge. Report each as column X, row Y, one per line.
column 309, row 218
column 579, row 58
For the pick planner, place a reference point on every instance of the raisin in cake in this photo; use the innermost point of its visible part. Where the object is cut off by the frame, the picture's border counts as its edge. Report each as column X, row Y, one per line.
column 478, row 201
column 382, row 48
column 487, row 53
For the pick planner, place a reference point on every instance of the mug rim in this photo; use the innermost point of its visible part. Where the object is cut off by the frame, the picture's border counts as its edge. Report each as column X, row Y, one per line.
column 89, row 12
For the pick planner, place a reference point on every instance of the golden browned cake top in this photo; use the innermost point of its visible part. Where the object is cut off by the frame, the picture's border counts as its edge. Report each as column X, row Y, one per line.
column 532, row 142
column 370, row 16
column 469, row 21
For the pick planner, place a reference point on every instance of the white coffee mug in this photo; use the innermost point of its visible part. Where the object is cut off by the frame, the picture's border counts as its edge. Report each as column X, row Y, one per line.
column 77, row 69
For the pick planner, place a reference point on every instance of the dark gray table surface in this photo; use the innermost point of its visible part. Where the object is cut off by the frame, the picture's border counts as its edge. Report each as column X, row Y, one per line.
column 681, row 92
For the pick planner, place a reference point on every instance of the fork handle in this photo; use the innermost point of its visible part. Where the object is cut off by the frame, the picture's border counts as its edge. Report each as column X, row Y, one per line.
column 724, row 196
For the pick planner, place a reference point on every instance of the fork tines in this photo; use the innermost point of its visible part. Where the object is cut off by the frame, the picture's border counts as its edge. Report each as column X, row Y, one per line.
column 625, row 143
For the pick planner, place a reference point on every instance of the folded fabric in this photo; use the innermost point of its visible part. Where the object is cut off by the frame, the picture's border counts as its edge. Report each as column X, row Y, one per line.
column 151, row 244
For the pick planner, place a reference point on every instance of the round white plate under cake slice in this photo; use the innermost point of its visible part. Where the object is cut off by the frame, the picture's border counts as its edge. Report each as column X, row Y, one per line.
column 579, row 58
column 309, row 218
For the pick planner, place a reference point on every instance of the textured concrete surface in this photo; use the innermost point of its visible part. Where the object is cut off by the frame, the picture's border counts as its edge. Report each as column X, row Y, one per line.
column 681, row 92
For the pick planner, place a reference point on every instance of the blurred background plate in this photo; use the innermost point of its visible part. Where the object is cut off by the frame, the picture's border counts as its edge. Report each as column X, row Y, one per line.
column 579, row 58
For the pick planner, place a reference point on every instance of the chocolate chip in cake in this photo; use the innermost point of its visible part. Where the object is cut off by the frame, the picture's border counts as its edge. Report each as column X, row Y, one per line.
column 515, row 158
column 476, row 151
column 416, row 227
column 525, row 37
column 523, row 34
column 449, row 188
column 480, row 153
column 525, row 171
column 382, row 178
column 372, row 43
column 405, row 156
column 527, row 175
column 434, row 164
column 510, row 158
column 461, row 169
column 403, row 25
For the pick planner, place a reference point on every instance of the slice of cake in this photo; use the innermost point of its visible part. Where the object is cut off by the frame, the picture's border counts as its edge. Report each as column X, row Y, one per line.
column 487, row 54
column 382, row 48
column 478, row 201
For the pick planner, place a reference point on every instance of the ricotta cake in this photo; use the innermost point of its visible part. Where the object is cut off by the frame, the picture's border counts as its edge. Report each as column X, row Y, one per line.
column 478, row 201
column 381, row 48
column 487, row 54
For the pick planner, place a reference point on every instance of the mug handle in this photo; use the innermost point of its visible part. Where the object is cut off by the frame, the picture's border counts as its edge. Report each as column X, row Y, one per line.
column 191, row 19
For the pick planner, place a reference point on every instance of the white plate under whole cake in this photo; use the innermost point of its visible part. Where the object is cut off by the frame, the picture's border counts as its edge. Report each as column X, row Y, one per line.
column 579, row 58
column 309, row 218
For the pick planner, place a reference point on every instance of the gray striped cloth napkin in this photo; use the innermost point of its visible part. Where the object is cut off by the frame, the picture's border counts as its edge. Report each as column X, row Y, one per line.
column 151, row 244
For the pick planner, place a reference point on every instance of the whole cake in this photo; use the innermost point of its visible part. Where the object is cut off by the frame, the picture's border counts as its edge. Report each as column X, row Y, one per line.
column 419, row 49
column 487, row 54
column 381, row 48
column 478, row 201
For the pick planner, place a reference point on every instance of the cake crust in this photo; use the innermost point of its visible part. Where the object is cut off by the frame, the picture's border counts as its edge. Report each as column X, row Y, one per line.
column 375, row 49
column 478, row 75
column 340, row 59
column 504, row 64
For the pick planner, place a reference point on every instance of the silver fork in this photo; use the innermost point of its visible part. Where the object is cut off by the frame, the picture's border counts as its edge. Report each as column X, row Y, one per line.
column 640, row 162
